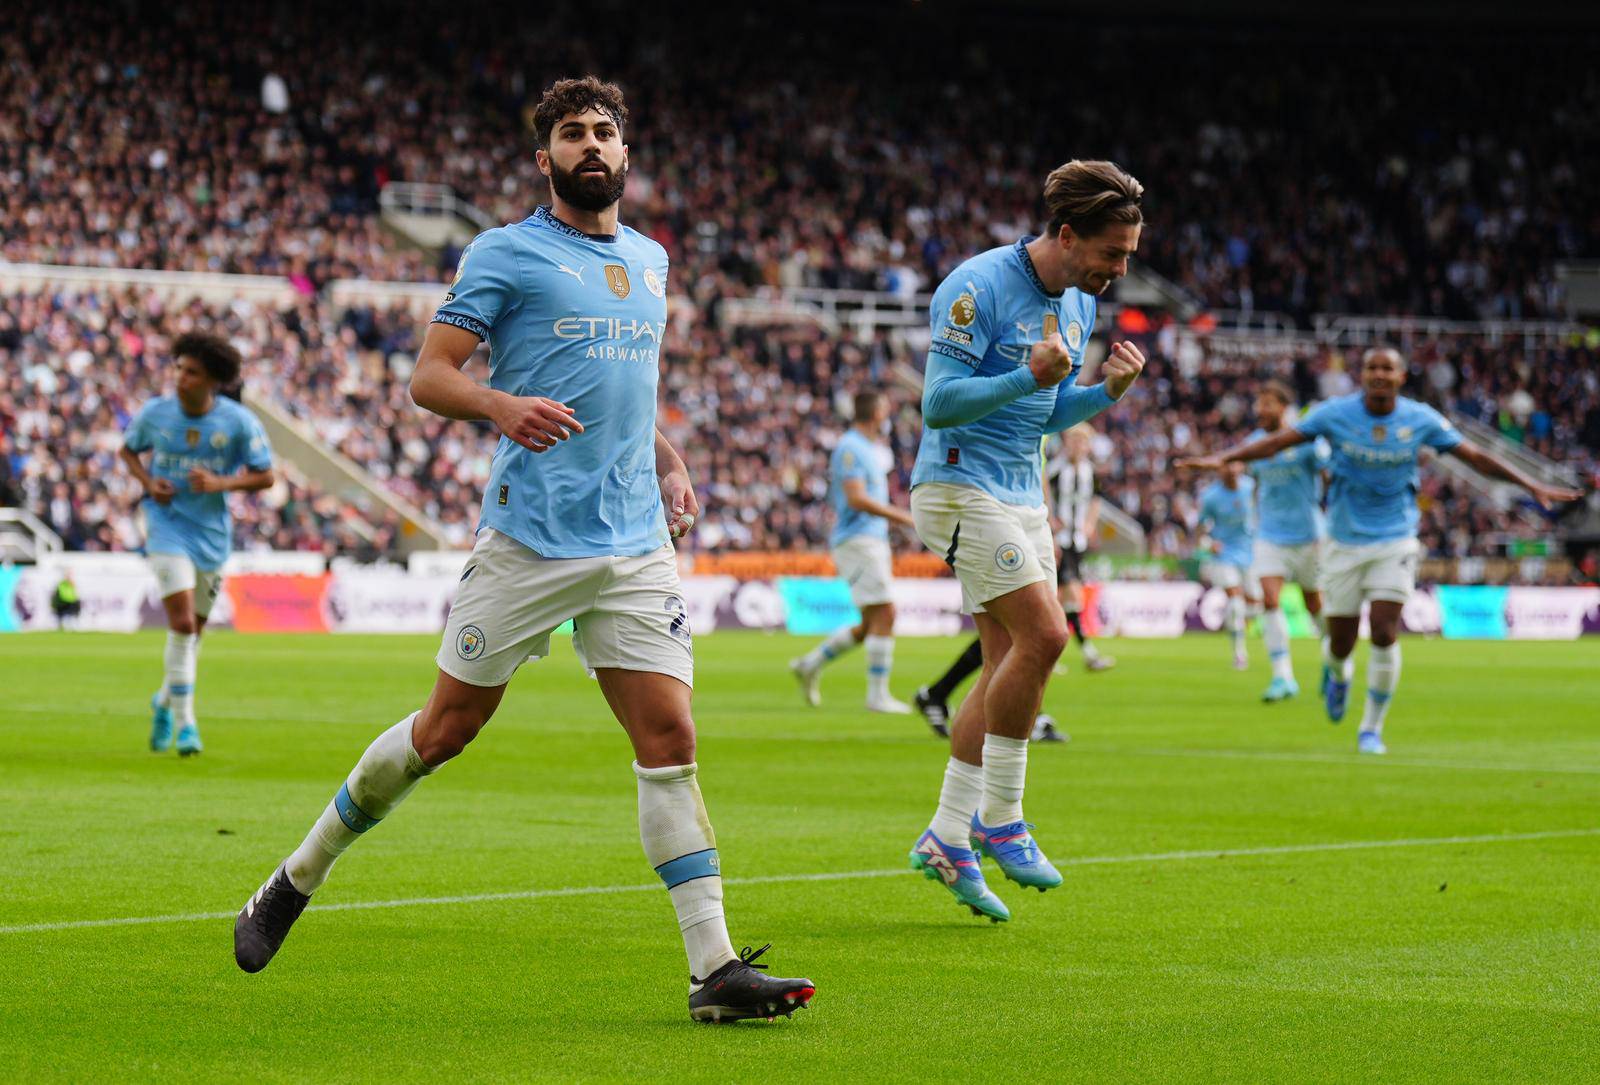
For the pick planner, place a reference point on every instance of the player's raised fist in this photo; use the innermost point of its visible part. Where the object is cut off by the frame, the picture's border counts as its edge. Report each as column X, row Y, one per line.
column 535, row 422
column 1049, row 361
column 1121, row 368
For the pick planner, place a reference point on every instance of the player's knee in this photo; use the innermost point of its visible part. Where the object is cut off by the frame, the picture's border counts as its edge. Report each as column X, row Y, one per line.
column 184, row 625
column 669, row 743
column 883, row 620
column 1044, row 644
column 442, row 734
column 1383, row 637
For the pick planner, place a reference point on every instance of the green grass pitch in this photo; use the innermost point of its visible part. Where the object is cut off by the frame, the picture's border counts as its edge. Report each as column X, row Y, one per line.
column 1246, row 899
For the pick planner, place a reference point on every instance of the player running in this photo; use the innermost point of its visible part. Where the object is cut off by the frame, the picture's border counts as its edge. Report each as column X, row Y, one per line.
column 1228, row 518
column 203, row 446
column 1075, row 517
column 1376, row 436
column 859, row 491
column 582, row 496
column 1009, row 330
column 1289, row 532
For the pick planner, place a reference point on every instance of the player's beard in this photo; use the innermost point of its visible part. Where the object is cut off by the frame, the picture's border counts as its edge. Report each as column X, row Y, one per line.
column 588, row 192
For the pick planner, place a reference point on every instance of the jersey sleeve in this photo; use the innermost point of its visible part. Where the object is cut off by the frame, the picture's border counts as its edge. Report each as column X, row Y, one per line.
column 140, row 436
column 1437, row 431
column 848, row 463
column 1315, row 422
column 962, row 318
column 487, row 285
column 251, row 446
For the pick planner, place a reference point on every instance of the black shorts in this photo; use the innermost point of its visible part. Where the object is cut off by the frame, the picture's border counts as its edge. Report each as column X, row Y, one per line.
column 1070, row 567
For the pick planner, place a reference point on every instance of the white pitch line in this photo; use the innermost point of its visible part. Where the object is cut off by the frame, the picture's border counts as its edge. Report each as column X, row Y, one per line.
column 849, row 875
column 1312, row 757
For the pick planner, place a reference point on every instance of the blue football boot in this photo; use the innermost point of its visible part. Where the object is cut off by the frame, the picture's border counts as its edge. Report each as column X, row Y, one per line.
column 189, row 740
column 1281, row 689
column 1013, row 849
column 959, row 870
column 1334, row 699
column 160, row 725
column 1370, row 742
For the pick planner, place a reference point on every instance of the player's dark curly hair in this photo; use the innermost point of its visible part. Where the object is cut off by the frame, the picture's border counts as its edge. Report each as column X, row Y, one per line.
column 219, row 357
column 565, row 97
column 1091, row 195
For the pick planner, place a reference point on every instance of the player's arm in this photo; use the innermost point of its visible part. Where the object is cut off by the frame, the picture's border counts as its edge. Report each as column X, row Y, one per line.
column 1076, row 404
column 1092, row 521
column 1260, row 449
column 250, row 480
column 855, row 495
column 677, row 492
column 1487, row 463
column 439, row 385
column 159, row 489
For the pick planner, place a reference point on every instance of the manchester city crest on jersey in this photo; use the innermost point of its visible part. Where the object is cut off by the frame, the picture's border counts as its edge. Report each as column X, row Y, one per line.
column 1380, row 434
column 219, row 441
column 964, row 310
column 1404, row 433
column 1074, row 335
column 617, row 280
column 653, row 283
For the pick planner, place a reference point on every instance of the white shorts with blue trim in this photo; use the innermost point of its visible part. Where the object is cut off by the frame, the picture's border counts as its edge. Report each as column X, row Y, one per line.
column 1385, row 571
column 994, row 548
column 177, row 572
column 628, row 612
column 1301, row 564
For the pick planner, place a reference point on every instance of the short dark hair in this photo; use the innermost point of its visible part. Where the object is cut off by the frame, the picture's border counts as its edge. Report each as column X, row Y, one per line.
column 219, row 357
column 866, row 403
column 1279, row 391
column 1091, row 195
column 565, row 97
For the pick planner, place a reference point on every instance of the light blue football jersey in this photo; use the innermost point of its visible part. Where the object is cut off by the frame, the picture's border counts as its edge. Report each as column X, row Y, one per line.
column 857, row 457
column 987, row 314
column 1289, row 493
column 578, row 319
column 224, row 440
column 1231, row 515
column 1372, row 497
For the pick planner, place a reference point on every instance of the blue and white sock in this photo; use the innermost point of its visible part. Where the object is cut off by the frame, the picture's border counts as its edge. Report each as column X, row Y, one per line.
column 837, row 644
column 182, row 650
column 880, row 661
column 1383, row 675
column 1343, row 669
column 679, row 843
column 1275, row 631
column 384, row 776
column 1234, row 622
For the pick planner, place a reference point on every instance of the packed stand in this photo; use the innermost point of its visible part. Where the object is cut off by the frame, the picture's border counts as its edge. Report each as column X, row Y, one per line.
column 240, row 138
column 74, row 367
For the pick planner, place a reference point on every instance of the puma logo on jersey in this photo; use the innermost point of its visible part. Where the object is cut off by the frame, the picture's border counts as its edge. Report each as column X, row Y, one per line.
column 575, row 274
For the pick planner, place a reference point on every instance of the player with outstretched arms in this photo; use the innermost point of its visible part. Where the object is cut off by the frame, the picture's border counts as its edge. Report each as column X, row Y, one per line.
column 203, row 445
column 1009, row 331
column 858, row 489
column 582, row 496
column 1375, row 436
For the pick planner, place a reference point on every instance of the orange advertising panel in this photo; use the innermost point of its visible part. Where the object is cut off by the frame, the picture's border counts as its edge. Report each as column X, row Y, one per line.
column 768, row 565
column 277, row 604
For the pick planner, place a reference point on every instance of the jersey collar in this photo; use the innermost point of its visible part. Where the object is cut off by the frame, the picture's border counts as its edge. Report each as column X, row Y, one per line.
column 546, row 217
column 1027, row 266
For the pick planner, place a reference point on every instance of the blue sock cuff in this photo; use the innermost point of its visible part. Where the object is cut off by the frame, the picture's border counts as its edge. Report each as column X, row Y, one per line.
column 355, row 819
column 686, row 868
column 1381, row 698
column 179, row 691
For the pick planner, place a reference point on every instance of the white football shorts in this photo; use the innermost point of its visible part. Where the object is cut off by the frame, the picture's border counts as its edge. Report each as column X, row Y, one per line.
column 994, row 548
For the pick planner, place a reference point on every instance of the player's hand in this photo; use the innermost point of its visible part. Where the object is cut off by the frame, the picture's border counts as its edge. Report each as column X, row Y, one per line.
column 1121, row 368
column 202, row 481
column 535, row 422
column 1049, row 361
column 161, row 490
column 1198, row 463
column 1216, row 547
column 1550, row 496
column 682, row 507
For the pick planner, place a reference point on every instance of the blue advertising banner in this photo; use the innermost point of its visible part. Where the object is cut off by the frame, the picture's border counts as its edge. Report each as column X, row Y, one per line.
column 9, row 575
column 816, row 605
column 1472, row 612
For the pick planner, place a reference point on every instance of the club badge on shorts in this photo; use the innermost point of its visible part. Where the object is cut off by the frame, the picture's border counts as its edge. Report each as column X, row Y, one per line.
column 1009, row 557
column 470, row 643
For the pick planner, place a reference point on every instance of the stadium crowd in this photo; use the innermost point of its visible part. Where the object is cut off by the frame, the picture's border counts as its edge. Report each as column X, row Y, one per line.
column 239, row 138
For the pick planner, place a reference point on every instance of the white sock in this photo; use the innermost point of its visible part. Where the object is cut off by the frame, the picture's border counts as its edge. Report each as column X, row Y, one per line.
column 1234, row 623
column 679, row 843
column 180, row 659
column 1345, row 668
column 1005, row 769
column 1383, row 675
column 958, row 801
column 1275, row 631
column 880, row 660
column 838, row 643
column 384, row 776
